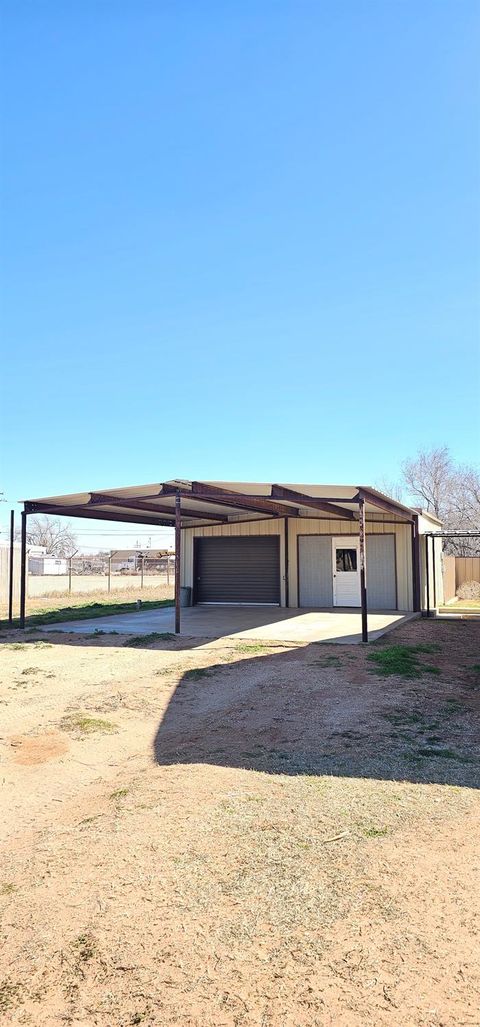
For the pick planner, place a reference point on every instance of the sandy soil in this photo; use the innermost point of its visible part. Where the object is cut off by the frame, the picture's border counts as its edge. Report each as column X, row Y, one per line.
column 215, row 834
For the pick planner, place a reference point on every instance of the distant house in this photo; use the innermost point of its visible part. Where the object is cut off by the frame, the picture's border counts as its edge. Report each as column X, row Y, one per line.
column 41, row 562
column 129, row 561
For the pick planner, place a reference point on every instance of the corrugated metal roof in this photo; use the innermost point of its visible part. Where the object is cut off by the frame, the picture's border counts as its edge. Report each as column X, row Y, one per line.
column 210, row 501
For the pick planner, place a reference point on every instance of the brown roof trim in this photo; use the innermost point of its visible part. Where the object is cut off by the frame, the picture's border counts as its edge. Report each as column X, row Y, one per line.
column 94, row 514
column 266, row 504
column 281, row 492
column 370, row 496
column 103, row 499
column 224, row 497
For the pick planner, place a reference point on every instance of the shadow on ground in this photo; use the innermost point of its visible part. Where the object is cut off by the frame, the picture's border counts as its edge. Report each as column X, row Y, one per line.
column 338, row 625
column 320, row 710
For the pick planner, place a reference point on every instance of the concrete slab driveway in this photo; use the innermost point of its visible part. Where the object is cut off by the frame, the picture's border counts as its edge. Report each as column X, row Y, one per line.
column 260, row 622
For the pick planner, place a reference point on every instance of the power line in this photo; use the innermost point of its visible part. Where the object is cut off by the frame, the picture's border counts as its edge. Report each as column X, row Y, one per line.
column 114, row 532
column 120, row 534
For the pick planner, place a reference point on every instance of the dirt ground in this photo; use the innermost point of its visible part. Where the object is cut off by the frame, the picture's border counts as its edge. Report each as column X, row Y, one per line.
column 225, row 834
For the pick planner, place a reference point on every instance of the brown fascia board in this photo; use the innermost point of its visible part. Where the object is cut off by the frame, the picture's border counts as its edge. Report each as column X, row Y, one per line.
column 370, row 496
column 224, row 497
column 92, row 513
column 102, row 499
column 264, row 504
column 281, row 492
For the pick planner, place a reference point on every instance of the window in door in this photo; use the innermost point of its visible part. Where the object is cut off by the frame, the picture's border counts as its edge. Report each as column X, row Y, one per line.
column 346, row 559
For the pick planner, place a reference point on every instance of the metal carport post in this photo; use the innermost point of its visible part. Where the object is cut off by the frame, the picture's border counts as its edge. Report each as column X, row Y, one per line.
column 178, row 542
column 23, row 569
column 10, row 567
column 363, row 570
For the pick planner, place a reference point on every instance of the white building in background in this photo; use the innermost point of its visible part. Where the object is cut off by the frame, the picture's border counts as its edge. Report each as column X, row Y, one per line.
column 41, row 562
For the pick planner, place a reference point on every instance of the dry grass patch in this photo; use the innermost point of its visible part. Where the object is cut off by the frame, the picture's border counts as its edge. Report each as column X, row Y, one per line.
column 7, row 888
column 84, row 947
column 10, row 995
column 83, row 724
column 119, row 793
column 144, row 641
column 197, row 673
column 251, row 648
column 333, row 662
column 29, row 643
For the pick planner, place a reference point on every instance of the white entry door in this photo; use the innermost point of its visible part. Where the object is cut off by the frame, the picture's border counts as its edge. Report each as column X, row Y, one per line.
column 346, row 571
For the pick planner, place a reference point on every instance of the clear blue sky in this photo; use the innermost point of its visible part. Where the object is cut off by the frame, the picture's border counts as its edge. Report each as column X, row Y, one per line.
column 240, row 240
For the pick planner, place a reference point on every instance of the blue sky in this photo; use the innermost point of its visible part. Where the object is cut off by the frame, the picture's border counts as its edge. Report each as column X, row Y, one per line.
column 240, row 240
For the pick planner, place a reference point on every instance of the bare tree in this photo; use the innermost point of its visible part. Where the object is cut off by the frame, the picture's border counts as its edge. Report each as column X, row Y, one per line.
column 392, row 489
column 449, row 490
column 57, row 536
column 429, row 478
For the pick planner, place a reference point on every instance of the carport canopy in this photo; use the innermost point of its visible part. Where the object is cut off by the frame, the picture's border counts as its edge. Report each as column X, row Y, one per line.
column 180, row 503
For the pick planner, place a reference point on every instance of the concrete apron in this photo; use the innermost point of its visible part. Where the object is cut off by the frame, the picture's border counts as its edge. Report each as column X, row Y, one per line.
column 256, row 622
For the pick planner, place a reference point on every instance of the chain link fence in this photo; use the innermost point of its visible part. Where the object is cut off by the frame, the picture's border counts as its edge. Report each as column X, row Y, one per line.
column 104, row 572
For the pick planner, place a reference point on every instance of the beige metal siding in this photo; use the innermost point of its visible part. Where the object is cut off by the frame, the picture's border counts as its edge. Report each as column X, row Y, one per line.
column 427, row 522
column 381, row 572
column 403, row 550
column 436, row 601
column 315, row 567
column 449, row 583
column 313, row 526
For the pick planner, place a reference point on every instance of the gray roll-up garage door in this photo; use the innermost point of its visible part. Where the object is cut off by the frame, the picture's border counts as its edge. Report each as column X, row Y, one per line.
column 237, row 570
column 381, row 574
column 315, row 570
